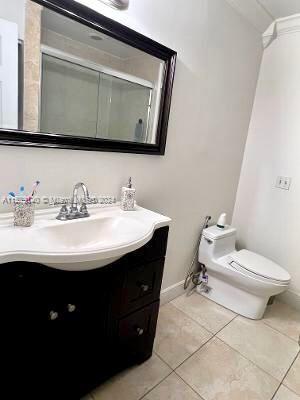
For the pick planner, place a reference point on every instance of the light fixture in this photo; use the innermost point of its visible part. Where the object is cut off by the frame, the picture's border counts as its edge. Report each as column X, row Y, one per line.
column 119, row 4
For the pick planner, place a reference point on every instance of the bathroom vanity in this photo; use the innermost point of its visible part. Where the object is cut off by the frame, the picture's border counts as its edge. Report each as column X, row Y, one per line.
column 64, row 331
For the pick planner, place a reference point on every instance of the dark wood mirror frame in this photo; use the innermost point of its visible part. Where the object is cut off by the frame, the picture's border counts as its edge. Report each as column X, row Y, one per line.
column 87, row 16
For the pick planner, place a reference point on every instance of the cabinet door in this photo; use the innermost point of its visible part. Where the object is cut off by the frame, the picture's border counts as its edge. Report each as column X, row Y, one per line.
column 136, row 333
column 52, row 356
column 80, row 331
column 22, row 296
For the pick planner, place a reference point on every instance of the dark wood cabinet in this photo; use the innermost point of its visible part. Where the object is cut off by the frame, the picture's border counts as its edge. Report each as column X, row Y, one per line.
column 63, row 333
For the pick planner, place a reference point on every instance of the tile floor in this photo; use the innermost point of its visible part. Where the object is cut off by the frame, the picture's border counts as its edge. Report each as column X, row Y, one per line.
column 205, row 352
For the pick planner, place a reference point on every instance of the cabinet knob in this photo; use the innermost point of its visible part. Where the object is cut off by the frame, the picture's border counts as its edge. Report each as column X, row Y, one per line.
column 53, row 315
column 145, row 288
column 71, row 308
column 140, row 331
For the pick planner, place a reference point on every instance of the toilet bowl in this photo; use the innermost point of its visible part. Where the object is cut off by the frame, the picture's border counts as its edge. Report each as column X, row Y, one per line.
column 242, row 281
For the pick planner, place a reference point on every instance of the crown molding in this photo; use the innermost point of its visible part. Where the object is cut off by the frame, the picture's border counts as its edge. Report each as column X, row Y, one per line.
column 282, row 26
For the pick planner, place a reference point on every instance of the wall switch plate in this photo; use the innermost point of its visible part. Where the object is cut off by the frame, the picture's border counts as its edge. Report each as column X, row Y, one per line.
column 283, row 182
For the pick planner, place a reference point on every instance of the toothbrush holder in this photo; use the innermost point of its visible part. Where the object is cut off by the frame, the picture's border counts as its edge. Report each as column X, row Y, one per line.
column 23, row 213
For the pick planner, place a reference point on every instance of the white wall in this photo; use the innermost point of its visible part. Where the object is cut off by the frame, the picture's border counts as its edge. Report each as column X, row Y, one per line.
column 218, row 61
column 14, row 11
column 268, row 218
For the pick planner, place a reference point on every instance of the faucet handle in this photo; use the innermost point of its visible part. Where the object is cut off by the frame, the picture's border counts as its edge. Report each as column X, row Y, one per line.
column 73, row 211
column 83, row 210
column 63, row 213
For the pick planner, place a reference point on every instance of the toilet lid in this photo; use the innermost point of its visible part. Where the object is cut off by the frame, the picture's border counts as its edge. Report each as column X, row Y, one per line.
column 260, row 265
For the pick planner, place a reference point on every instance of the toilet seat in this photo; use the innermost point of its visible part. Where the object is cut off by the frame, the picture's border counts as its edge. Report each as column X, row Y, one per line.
column 258, row 266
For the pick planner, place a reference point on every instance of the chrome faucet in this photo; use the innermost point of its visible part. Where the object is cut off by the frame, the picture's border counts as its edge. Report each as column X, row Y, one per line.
column 83, row 212
column 74, row 213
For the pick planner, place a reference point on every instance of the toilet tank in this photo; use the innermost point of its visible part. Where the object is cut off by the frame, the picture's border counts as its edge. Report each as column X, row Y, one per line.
column 216, row 243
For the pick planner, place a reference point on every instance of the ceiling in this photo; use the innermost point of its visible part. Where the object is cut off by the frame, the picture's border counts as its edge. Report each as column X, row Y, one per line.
column 281, row 8
column 261, row 13
column 81, row 33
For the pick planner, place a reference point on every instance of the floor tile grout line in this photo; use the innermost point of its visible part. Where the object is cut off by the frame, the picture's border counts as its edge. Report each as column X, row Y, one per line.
column 214, row 335
column 189, row 356
column 262, row 321
column 276, row 330
column 198, row 348
column 281, row 383
column 174, row 370
column 200, row 397
column 291, row 366
column 194, row 320
column 252, row 362
column 237, row 315
column 155, row 386
column 191, row 318
column 276, row 391
column 291, row 390
column 202, row 326
column 165, row 362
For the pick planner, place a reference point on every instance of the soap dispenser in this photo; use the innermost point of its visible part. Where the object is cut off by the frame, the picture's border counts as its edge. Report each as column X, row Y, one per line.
column 128, row 197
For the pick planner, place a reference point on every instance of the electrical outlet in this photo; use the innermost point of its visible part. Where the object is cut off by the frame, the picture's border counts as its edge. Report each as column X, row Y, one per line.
column 283, row 182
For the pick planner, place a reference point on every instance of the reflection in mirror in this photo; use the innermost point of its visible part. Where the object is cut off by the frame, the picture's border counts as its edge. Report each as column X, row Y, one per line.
column 60, row 76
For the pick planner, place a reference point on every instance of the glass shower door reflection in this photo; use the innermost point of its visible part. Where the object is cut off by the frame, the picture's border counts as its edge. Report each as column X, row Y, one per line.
column 76, row 100
column 124, row 110
column 69, row 98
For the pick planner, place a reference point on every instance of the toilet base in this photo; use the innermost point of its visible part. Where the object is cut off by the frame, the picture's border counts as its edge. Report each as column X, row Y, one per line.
column 241, row 302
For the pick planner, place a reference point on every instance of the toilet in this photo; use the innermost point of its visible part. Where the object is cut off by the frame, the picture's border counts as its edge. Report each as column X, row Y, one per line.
column 242, row 281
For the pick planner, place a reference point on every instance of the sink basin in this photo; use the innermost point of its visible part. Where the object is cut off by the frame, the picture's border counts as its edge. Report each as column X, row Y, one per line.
column 83, row 244
column 91, row 233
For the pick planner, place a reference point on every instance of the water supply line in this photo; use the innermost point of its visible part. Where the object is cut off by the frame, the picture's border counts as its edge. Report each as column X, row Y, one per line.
column 192, row 275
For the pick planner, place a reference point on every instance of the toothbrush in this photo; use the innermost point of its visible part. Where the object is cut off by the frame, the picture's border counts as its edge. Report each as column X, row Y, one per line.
column 34, row 190
column 22, row 191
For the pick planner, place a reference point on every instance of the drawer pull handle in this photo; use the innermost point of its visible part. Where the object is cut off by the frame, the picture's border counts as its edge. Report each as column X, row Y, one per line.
column 140, row 331
column 71, row 308
column 145, row 288
column 53, row 315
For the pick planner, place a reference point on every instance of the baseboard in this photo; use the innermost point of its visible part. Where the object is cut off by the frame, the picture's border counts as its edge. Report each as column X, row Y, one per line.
column 171, row 292
column 291, row 298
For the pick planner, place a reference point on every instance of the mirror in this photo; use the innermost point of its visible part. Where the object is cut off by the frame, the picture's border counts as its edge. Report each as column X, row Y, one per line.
column 86, row 78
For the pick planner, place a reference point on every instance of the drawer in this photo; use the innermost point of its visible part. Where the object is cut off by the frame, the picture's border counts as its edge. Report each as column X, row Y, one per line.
column 141, row 286
column 136, row 332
